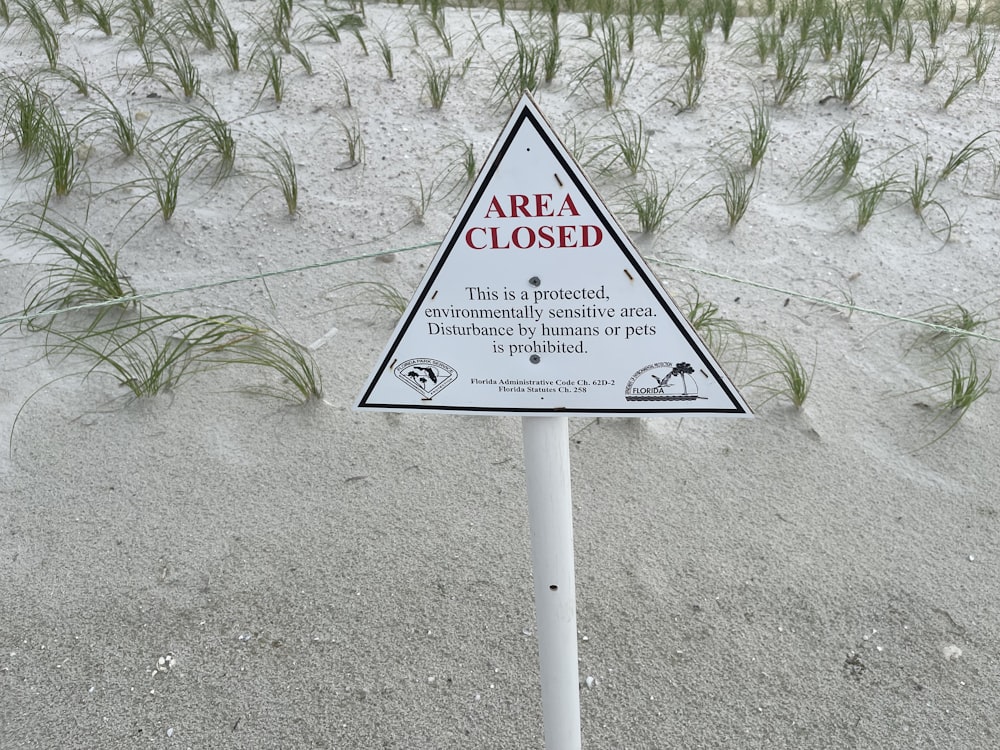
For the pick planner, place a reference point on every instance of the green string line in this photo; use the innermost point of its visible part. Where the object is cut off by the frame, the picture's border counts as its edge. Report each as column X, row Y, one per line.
column 25, row 317
column 828, row 302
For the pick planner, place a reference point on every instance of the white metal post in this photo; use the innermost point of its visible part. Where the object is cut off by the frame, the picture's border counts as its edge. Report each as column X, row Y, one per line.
column 550, row 512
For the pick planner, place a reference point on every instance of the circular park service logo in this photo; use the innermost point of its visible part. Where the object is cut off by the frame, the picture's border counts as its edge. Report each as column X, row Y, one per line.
column 663, row 381
column 428, row 377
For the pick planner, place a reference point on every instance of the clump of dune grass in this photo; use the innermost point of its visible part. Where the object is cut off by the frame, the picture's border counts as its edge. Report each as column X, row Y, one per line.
column 437, row 81
column 204, row 135
column 655, row 16
column 48, row 37
column 608, row 68
column 785, row 374
column 964, row 381
column 52, row 149
column 379, row 295
column 229, row 41
column 720, row 334
column 438, row 23
column 210, row 134
column 196, row 20
column 764, row 39
column 728, row 11
column 832, row 29
column 275, row 27
column 686, row 91
column 150, row 353
column 280, row 171
column 345, row 86
column 835, row 165
column 64, row 154
column 921, row 188
column 736, row 192
column 429, row 193
column 465, row 162
column 931, row 64
column 957, row 159
column 628, row 17
column 301, row 55
column 145, row 354
column 886, row 17
column 760, row 134
column 324, row 24
column 907, row 41
column 163, row 172
column 973, row 12
column 80, row 270
column 867, row 199
column 25, row 114
column 982, row 49
column 935, row 17
column 101, row 13
column 949, row 343
column 356, row 33
column 808, row 12
column 856, row 71
column 119, row 122
column 386, row 56
column 92, row 317
column 272, row 63
column 251, row 342
column 695, row 47
column 519, row 73
column 628, row 144
column 354, row 142
column 648, row 203
column 790, row 70
column 920, row 193
column 177, row 71
column 79, row 79
column 961, row 82
column 948, row 325
column 140, row 16
column 550, row 56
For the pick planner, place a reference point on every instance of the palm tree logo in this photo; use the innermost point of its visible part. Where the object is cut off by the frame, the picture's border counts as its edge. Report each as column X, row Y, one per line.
column 682, row 369
column 666, row 387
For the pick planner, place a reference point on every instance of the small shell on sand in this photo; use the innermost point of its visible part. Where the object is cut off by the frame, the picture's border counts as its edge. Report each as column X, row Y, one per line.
column 951, row 652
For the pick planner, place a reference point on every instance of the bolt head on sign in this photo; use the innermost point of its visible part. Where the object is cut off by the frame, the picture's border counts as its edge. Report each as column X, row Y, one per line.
column 537, row 303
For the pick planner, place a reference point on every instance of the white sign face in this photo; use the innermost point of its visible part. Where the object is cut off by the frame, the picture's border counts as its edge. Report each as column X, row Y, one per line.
column 537, row 303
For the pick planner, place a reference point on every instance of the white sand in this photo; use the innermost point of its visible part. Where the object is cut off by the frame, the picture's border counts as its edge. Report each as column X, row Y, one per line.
column 811, row 578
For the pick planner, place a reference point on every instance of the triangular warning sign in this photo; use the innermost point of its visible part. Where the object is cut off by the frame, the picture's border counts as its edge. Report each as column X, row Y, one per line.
column 537, row 303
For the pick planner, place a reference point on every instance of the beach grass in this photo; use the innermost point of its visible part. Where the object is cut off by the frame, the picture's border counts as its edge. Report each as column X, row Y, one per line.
column 781, row 371
column 80, row 269
column 604, row 73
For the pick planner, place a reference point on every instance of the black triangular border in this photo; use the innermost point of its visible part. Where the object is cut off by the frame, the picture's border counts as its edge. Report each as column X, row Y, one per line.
column 604, row 215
